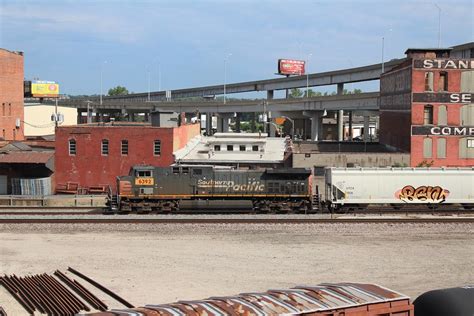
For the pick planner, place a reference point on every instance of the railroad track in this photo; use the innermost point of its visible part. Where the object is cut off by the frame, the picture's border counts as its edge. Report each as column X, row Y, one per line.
column 229, row 220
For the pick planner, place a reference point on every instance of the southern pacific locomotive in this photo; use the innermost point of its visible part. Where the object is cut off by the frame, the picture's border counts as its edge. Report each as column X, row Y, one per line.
column 167, row 189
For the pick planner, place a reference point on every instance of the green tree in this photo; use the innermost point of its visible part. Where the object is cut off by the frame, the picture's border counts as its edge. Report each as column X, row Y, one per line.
column 118, row 90
column 295, row 93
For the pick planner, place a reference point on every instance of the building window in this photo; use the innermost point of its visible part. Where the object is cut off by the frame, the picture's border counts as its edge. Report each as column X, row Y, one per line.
column 427, row 148
column 441, row 148
column 443, row 81
column 429, row 81
column 217, row 147
column 3, row 109
column 470, row 143
column 230, row 147
column 4, row 134
column 72, row 147
column 467, row 115
column 157, row 148
column 466, row 147
column 442, row 115
column 467, row 81
column 124, row 148
column 9, row 109
column 105, row 147
column 255, row 148
column 242, row 148
column 428, row 115
column 14, row 134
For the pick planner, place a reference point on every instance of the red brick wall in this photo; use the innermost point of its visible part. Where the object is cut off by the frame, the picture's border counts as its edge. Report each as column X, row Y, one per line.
column 452, row 153
column 453, row 110
column 89, row 167
column 11, row 94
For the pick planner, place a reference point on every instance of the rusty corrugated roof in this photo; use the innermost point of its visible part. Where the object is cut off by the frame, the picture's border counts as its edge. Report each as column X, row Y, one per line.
column 296, row 301
column 39, row 157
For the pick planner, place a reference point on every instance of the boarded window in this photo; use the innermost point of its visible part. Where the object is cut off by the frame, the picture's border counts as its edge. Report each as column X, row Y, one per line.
column 467, row 81
column 124, row 148
column 429, row 81
column 428, row 115
column 427, row 148
column 442, row 115
column 467, row 115
column 105, row 147
column 466, row 147
column 72, row 147
column 157, row 147
column 441, row 148
column 443, row 81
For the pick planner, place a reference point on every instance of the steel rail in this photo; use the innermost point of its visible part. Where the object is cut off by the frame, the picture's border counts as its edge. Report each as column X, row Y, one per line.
column 157, row 221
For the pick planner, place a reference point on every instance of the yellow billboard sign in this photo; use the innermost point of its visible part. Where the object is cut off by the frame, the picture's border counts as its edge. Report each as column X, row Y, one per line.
column 49, row 90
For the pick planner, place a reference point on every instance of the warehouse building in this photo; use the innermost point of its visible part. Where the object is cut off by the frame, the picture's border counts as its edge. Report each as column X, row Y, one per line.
column 427, row 107
column 11, row 95
column 89, row 157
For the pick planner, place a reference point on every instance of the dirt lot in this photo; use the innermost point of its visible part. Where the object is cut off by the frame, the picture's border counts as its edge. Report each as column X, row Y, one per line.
column 164, row 263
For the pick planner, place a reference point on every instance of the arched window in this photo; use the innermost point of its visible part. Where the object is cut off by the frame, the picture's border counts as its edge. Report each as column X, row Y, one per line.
column 441, row 148
column 467, row 115
column 442, row 115
column 427, row 148
column 428, row 115
column 105, row 147
column 72, row 147
column 429, row 81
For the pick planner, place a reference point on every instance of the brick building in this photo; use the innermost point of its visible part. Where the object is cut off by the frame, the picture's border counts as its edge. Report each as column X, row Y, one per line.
column 11, row 95
column 427, row 108
column 92, row 155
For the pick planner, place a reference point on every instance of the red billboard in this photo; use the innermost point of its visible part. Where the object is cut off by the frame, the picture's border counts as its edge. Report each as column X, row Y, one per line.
column 290, row 67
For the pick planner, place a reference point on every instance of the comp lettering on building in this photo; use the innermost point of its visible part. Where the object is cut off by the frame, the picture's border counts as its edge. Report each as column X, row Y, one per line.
column 442, row 130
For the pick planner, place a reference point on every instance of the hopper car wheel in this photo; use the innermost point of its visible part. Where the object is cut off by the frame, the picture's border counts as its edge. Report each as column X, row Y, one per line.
column 468, row 207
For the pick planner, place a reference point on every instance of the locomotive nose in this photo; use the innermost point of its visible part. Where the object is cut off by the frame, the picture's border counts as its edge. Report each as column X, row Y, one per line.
column 125, row 187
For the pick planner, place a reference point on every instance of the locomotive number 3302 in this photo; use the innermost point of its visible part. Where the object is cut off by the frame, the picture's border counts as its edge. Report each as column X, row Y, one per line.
column 144, row 181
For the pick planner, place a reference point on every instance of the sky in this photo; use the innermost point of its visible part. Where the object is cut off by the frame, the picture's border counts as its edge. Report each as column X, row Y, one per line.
column 186, row 43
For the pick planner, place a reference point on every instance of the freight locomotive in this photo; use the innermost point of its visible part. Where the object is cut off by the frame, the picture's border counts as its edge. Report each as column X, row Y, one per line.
column 289, row 190
column 168, row 189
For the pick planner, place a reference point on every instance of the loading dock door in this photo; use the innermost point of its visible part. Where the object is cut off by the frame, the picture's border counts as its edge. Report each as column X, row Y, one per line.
column 3, row 185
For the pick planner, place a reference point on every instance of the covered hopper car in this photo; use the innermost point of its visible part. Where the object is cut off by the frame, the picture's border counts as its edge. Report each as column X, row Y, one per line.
column 359, row 187
column 166, row 189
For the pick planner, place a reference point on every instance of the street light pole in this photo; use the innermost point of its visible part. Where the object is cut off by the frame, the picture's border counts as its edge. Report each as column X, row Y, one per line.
column 307, row 75
column 439, row 24
column 225, row 74
column 383, row 43
column 101, row 79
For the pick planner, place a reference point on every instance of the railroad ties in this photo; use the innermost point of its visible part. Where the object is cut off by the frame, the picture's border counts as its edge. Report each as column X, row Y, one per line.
column 56, row 295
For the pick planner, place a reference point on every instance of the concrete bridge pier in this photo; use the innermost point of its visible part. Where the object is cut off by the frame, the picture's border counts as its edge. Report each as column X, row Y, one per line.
column 366, row 135
column 340, row 125
column 223, row 122
column 316, row 124
column 237, row 123
column 208, row 124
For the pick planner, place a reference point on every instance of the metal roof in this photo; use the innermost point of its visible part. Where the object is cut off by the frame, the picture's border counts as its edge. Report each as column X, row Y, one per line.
column 296, row 301
column 31, row 157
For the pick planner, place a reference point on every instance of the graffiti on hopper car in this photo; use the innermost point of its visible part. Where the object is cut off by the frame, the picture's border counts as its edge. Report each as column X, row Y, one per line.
column 424, row 193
